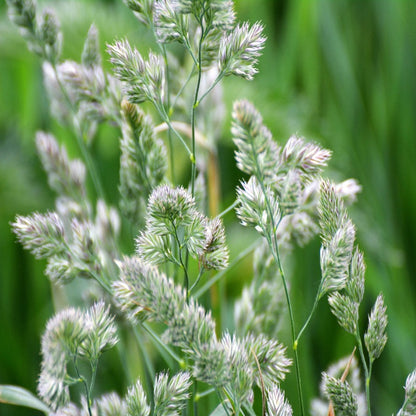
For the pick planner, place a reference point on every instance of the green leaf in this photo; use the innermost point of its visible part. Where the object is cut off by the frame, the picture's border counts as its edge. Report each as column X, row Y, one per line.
column 21, row 397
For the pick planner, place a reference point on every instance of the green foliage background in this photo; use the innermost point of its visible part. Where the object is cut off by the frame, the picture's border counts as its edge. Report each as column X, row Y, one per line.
column 340, row 72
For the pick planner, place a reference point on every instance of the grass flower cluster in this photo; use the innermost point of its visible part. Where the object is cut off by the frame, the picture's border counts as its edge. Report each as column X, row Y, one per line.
column 155, row 294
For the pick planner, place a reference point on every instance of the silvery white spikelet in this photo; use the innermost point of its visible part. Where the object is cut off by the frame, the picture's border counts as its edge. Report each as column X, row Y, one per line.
column 375, row 338
column 136, row 400
column 42, row 33
column 144, row 292
column 91, row 56
column 254, row 205
column 68, row 410
column 319, row 407
column 345, row 310
column 241, row 372
column 270, row 356
column 214, row 254
column 341, row 395
column 213, row 13
column 172, row 213
column 64, row 333
column 143, row 161
column 66, row 177
column 277, row 405
column 338, row 235
column 307, row 157
column 111, row 405
column 142, row 9
column 211, row 364
column 143, row 80
column 70, row 334
column 409, row 405
column 170, row 25
column 50, row 36
column 42, row 234
column 240, row 49
column 355, row 283
column 170, row 396
column 169, row 208
column 348, row 190
column 101, row 331
column 256, row 149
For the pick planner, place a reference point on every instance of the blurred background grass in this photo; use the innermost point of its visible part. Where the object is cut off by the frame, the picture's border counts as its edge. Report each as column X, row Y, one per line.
column 342, row 73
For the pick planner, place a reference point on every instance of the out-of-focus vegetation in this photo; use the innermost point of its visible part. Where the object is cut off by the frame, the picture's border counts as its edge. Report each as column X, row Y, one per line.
column 340, row 72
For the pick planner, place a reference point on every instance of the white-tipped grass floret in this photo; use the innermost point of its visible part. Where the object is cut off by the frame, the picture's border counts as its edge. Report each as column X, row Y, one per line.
column 170, row 396
column 240, row 50
column 254, row 206
column 71, row 334
column 91, row 56
column 307, row 157
column 375, row 338
column 136, row 401
column 42, row 234
column 66, row 177
column 409, row 405
column 270, row 356
column 341, row 395
column 277, row 404
column 111, row 405
column 143, row 80
column 170, row 24
column 215, row 253
column 345, row 310
column 102, row 331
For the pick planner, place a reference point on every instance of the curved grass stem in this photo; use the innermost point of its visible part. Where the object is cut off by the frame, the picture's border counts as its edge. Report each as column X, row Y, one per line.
column 85, row 384
column 308, row 320
column 367, row 370
column 193, row 110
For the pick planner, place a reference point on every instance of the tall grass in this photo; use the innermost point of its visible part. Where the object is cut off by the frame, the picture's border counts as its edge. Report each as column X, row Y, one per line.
column 341, row 72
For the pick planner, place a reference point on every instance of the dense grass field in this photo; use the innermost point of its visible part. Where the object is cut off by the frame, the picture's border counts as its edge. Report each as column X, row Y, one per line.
column 342, row 73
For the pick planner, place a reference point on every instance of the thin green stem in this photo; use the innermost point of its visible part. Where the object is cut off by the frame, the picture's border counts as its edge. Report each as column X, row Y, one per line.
column 149, row 369
column 194, row 106
column 84, row 382
column 315, row 304
column 292, row 326
column 156, row 338
column 195, row 402
column 199, row 396
column 201, row 272
column 228, row 209
column 174, row 101
column 182, row 264
column 217, row 80
column 94, row 365
column 367, row 390
column 367, row 372
column 166, row 119
column 171, row 155
column 189, row 49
